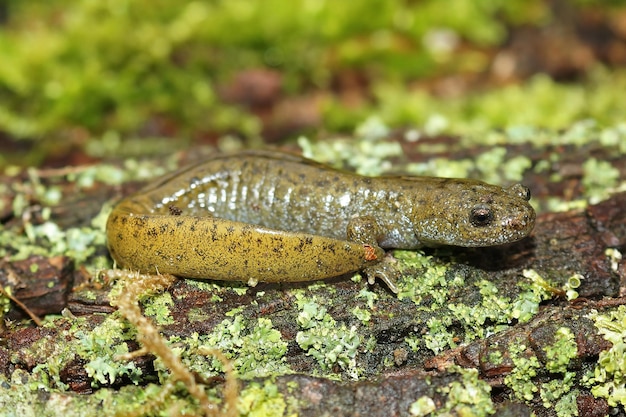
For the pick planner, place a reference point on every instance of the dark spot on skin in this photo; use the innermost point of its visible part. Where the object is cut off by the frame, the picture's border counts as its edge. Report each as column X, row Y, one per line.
column 175, row 211
column 515, row 224
column 300, row 246
column 481, row 216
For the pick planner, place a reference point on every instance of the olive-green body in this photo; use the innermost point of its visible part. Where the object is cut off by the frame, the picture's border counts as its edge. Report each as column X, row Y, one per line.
column 272, row 217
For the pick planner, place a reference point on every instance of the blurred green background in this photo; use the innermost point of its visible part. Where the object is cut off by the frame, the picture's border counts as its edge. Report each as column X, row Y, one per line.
column 86, row 79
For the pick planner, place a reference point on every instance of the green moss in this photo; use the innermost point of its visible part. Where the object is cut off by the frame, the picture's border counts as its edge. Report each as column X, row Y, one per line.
column 543, row 113
column 162, row 61
column 609, row 379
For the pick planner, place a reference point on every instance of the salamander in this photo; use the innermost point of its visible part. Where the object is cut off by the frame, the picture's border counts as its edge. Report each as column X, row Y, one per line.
column 277, row 217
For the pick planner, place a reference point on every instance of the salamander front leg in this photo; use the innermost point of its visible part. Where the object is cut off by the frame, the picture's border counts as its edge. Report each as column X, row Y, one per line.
column 365, row 230
column 386, row 271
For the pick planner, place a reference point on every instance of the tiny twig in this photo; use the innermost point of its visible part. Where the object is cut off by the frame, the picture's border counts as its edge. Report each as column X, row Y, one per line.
column 23, row 306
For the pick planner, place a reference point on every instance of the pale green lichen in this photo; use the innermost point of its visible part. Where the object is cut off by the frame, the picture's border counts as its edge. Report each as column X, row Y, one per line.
column 198, row 315
column 22, row 400
column 105, row 344
column 468, row 397
column 422, row 407
column 527, row 366
column 98, row 348
column 536, row 291
column 370, row 297
column 255, row 347
column 554, row 392
column 212, row 287
column 362, row 314
column 562, row 351
column 366, row 152
column 429, row 281
column 258, row 400
column 414, row 342
column 324, row 339
column 571, row 286
column 430, row 284
column 48, row 239
column 442, row 167
column 600, row 179
column 615, row 257
column 567, row 405
column 158, row 307
column 491, row 314
column 609, row 379
column 495, row 357
column 439, row 337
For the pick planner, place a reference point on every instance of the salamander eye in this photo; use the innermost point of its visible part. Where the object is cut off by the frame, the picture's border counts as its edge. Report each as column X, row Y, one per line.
column 481, row 216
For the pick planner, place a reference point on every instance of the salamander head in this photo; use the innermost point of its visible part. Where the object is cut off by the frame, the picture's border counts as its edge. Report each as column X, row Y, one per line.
column 472, row 213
